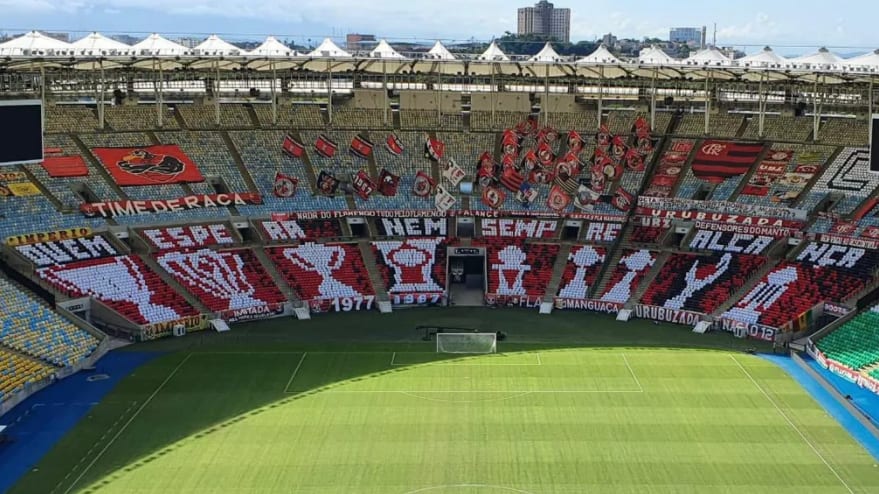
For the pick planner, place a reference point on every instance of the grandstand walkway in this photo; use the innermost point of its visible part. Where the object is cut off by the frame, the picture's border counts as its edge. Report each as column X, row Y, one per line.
column 239, row 162
column 280, row 282
column 378, row 284
column 558, row 270
column 173, row 283
column 755, row 278
column 648, row 279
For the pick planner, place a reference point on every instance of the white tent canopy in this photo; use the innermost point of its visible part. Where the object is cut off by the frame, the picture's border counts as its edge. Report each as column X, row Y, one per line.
column 214, row 46
column 766, row 58
column 655, row 56
column 34, row 44
column 384, row 50
column 271, row 47
column 822, row 59
column 709, row 56
column 600, row 56
column 155, row 45
column 869, row 61
column 493, row 53
column 440, row 52
column 328, row 49
column 96, row 44
column 546, row 54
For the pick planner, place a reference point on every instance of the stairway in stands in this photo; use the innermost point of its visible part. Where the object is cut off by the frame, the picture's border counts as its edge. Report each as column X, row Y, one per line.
column 755, row 278
column 378, row 284
column 279, row 280
column 173, row 283
column 558, row 271
column 606, row 273
column 648, row 279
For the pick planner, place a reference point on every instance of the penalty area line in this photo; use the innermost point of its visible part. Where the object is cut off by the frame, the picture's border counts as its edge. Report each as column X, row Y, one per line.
column 127, row 423
column 632, row 372
column 792, row 425
column 295, row 371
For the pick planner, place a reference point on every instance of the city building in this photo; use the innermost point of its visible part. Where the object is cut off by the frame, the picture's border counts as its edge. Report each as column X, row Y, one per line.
column 547, row 20
column 359, row 42
column 691, row 36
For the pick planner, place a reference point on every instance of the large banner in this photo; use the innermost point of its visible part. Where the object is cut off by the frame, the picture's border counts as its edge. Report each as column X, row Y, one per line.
column 717, row 161
column 863, row 243
column 67, row 251
column 149, row 165
column 160, row 330
column 758, row 230
column 293, row 230
column 418, row 213
column 738, row 243
column 601, row 233
column 743, row 329
column 65, row 166
column 674, row 316
column 112, row 209
column 255, row 313
column 412, row 227
column 187, row 237
column 700, row 214
column 53, row 236
column 737, row 208
column 523, row 301
column 587, row 304
column 519, row 228
column 342, row 304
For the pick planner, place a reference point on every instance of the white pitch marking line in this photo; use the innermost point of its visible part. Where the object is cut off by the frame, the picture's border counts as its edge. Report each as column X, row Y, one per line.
column 295, row 371
column 631, row 371
column 539, row 362
column 793, row 426
column 542, row 391
column 126, row 424
column 393, row 357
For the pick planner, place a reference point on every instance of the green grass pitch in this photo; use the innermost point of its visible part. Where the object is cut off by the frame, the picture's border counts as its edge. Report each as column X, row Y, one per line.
column 554, row 412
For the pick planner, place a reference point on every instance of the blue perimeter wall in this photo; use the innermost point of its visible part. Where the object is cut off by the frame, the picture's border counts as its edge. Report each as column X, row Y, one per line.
column 829, row 403
column 39, row 422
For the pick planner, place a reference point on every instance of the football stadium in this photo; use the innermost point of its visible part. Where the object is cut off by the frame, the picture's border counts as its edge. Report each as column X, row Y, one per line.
column 332, row 271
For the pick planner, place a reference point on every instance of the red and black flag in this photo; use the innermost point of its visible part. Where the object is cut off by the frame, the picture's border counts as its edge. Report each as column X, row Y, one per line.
column 434, row 149
column 325, row 146
column 634, row 161
column 511, row 179
column 603, row 138
column 292, row 147
column 424, row 184
column 558, row 200
column 394, row 145
column 327, row 183
column 285, row 185
column 510, row 142
column 360, row 147
column 717, row 161
column 363, row 185
column 575, row 142
column 493, row 197
column 545, row 154
column 388, row 183
column 622, row 200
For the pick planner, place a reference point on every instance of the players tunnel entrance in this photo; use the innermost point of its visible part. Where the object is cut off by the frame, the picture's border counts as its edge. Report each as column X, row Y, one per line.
column 466, row 276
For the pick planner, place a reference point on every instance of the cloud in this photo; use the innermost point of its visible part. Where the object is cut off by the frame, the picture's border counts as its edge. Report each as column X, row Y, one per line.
column 762, row 28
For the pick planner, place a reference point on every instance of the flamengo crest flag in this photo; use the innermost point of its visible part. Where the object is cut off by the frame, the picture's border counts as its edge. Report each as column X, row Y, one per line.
column 423, row 185
column 558, row 200
column 511, row 179
column 148, row 165
column 285, row 185
column 622, row 200
column 363, row 185
column 394, row 145
column 388, row 183
column 453, row 173
column 325, row 146
column 717, row 161
column 493, row 197
column 443, row 200
column 327, row 184
column 360, row 147
column 292, row 147
column 434, row 149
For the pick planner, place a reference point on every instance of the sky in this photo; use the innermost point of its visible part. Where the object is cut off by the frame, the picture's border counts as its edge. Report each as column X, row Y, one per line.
column 791, row 26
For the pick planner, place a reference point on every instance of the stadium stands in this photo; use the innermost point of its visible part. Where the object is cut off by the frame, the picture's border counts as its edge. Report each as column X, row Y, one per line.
column 856, row 343
column 123, row 283
column 518, row 269
column 627, row 275
column 778, row 128
column 232, row 116
column 17, row 371
column 138, row 118
column 67, row 118
column 413, row 265
column 720, row 125
column 581, row 271
column 226, row 280
column 37, row 331
column 323, row 271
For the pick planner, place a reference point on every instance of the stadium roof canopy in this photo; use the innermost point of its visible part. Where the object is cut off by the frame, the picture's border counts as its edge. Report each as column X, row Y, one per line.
column 384, row 50
column 36, row 51
column 440, row 52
